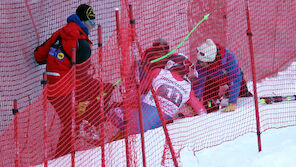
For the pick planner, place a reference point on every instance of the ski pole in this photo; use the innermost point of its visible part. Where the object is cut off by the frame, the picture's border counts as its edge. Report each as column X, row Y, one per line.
column 104, row 94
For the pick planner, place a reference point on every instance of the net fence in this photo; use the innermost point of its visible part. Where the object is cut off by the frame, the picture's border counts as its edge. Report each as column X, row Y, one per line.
column 150, row 90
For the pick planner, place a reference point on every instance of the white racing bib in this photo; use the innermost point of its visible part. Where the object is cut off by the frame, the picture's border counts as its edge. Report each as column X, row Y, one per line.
column 171, row 93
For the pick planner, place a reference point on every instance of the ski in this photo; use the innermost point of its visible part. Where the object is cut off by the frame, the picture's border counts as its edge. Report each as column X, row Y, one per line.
column 276, row 99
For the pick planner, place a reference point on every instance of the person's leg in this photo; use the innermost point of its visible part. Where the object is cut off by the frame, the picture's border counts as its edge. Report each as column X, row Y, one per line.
column 244, row 92
column 91, row 115
column 150, row 118
column 63, row 107
column 89, row 92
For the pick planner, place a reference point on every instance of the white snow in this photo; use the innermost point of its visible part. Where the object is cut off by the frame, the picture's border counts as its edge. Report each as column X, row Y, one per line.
column 278, row 150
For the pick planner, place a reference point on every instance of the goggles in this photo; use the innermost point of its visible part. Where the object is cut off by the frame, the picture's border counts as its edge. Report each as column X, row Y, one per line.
column 91, row 22
column 199, row 52
column 186, row 63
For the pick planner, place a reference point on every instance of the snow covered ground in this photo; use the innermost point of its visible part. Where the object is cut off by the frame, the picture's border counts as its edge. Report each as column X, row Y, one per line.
column 278, row 150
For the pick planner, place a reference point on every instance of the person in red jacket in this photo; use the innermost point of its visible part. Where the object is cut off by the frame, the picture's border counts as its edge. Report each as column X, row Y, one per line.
column 58, row 58
column 56, row 53
column 160, row 47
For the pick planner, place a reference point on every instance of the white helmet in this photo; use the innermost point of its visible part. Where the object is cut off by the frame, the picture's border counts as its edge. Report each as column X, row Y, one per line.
column 207, row 51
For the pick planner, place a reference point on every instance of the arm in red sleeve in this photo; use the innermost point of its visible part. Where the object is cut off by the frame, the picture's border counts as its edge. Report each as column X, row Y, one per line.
column 41, row 52
column 146, row 82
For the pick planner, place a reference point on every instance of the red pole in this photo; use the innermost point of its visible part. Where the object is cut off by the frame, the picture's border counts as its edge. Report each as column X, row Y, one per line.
column 122, row 67
column 15, row 111
column 249, row 33
column 101, row 86
column 141, row 127
column 117, row 22
column 132, row 23
column 44, row 82
column 133, row 27
column 73, row 108
column 100, row 43
column 168, row 139
column 126, row 132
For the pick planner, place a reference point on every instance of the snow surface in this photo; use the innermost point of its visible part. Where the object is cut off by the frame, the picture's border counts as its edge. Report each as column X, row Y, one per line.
column 278, row 150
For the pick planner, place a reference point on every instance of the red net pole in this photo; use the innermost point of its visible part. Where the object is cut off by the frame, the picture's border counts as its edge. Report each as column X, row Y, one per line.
column 249, row 33
column 117, row 21
column 100, row 43
column 123, row 70
column 15, row 111
column 167, row 136
column 44, row 82
column 73, row 108
column 141, row 127
column 101, row 95
column 132, row 24
column 126, row 133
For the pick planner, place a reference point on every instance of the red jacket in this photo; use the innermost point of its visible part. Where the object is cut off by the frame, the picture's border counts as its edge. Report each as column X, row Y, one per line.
column 70, row 34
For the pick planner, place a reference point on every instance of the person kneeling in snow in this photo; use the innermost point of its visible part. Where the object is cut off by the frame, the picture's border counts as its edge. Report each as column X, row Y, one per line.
column 160, row 47
column 172, row 90
column 218, row 75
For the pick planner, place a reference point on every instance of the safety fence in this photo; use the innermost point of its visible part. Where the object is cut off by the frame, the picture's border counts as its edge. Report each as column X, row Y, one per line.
column 119, row 108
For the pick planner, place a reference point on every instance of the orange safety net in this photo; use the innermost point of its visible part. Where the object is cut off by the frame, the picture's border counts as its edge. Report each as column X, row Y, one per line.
column 119, row 108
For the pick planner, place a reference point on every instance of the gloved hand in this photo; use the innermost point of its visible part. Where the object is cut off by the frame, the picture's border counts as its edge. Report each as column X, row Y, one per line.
column 231, row 107
column 223, row 89
column 81, row 107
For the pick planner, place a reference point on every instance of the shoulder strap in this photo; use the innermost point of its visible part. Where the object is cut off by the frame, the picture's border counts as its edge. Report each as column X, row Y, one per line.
column 59, row 44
